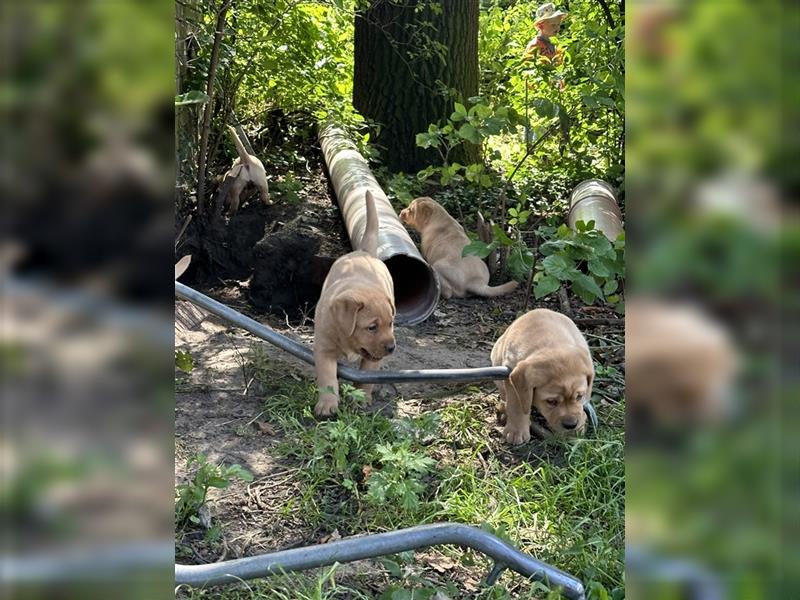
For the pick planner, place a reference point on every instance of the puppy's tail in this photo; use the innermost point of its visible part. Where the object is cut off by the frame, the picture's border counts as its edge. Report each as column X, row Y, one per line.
column 488, row 291
column 369, row 241
column 240, row 149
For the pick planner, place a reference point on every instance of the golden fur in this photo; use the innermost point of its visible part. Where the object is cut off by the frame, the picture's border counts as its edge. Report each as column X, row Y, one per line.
column 443, row 241
column 354, row 318
column 245, row 169
column 552, row 371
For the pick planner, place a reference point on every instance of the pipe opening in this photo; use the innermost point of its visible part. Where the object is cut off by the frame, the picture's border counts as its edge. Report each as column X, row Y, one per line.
column 416, row 289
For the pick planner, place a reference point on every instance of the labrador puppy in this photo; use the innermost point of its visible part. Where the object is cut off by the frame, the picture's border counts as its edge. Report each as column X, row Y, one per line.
column 552, row 371
column 354, row 318
column 443, row 240
column 680, row 367
column 245, row 169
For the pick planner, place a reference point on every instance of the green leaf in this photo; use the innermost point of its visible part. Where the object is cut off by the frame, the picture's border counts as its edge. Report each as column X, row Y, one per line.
column 546, row 285
column 599, row 267
column 544, row 108
column 610, row 287
column 469, row 133
column 559, row 267
column 193, row 97
column 586, row 287
column 501, row 236
column 461, row 110
column 427, row 140
column 478, row 248
column 183, row 360
column 456, row 117
column 520, row 261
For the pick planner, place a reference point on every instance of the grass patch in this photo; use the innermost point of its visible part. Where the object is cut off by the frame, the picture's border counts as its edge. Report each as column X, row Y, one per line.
column 561, row 501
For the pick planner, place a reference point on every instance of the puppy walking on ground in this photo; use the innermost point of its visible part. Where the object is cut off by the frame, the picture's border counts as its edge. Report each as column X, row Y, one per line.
column 443, row 241
column 246, row 169
column 354, row 317
column 552, row 371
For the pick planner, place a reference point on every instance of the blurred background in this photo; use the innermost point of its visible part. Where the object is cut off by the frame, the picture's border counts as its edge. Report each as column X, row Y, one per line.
column 87, row 174
column 712, row 181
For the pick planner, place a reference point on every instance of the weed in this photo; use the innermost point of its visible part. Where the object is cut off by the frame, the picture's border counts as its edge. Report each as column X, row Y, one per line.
column 191, row 496
column 398, row 481
column 183, row 361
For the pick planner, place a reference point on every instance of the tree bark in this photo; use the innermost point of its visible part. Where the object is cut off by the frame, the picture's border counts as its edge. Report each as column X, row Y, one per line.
column 405, row 55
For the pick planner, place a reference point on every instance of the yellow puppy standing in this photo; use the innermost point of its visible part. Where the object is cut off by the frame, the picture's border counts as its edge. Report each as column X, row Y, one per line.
column 354, row 318
column 552, row 371
column 443, row 241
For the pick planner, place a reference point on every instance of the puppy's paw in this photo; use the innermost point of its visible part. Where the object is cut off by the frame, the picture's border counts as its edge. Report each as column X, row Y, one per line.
column 516, row 436
column 327, row 406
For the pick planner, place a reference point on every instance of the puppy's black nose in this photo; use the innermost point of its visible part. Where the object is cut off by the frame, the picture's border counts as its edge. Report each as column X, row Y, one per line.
column 389, row 348
column 569, row 423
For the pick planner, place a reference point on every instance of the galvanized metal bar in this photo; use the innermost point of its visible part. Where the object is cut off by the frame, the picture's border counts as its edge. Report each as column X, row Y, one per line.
column 356, row 375
column 87, row 563
column 380, row 544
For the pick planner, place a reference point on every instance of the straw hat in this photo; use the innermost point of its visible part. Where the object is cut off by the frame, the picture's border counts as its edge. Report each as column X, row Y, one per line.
column 548, row 12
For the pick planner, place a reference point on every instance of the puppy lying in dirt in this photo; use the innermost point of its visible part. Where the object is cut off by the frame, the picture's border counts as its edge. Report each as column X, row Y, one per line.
column 443, row 240
column 552, row 372
column 354, row 317
column 246, row 169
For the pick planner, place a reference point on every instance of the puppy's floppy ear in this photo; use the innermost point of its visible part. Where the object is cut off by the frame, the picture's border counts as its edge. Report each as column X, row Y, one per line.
column 524, row 377
column 346, row 309
column 424, row 212
column 589, row 373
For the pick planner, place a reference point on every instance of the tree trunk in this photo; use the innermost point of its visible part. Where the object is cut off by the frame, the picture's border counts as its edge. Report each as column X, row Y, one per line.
column 406, row 55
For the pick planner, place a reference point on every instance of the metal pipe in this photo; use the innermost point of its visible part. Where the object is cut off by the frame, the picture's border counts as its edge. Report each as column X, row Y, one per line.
column 416, row 287
column 380, row 544
column 90, row 563
column 594, row 200
column 304, row 353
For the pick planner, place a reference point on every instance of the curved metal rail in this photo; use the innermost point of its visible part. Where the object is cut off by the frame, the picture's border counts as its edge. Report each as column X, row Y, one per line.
column 381, row 544
column 304, row 353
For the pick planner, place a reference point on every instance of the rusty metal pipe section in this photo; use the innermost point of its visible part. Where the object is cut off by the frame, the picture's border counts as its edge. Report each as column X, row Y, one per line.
column 416, row 288
column 595, row 200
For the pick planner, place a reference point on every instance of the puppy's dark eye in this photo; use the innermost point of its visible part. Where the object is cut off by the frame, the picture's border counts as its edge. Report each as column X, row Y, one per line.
column 552, row 401
column 373, row 328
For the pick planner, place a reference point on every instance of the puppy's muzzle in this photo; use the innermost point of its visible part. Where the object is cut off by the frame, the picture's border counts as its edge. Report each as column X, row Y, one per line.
column 389, row 348
column 569, row 424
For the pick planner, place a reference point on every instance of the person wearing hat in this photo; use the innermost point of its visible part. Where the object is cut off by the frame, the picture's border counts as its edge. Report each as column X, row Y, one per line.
column 548, row 23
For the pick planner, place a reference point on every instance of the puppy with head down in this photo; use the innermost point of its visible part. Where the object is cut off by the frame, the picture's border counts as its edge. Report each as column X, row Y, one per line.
column 552, row 372
column 246, row 169
column 443, row 241
column 354, row 318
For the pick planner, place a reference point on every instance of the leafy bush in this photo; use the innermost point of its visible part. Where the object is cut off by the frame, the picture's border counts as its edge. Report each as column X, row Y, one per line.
column 398, row 480
column 585, row 259
column 191, row 496
column 473, row 126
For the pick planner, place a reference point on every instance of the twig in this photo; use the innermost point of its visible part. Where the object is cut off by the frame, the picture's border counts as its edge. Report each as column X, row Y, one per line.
column 605, row 339
column 610, row 19
column 182, row 231
column 564, row 300
column 212, row 76
column 600, row 321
